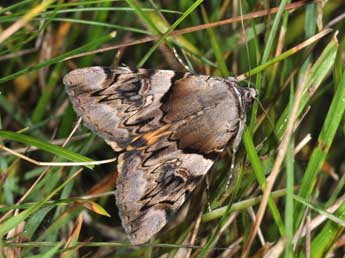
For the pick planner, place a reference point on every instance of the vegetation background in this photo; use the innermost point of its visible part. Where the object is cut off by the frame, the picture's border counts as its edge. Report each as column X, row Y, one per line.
column 292, row 53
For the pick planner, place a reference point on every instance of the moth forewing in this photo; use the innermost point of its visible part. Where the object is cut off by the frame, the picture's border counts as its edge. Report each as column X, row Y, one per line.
column 169, row 127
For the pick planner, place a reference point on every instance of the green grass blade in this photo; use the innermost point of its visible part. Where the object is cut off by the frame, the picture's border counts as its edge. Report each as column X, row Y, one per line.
column 140, row 12
column 265, row 56
column 216, row 48
column 43, row 145
column 325, row 240
column 260, row 176
column 45, row 99
column 289, row 211
column 170, row 29
column 325, row 139
column 325, row 213
column 239, row 206
column 52, row 252
column 317, row 74
column 59, row 58
column 14, row 221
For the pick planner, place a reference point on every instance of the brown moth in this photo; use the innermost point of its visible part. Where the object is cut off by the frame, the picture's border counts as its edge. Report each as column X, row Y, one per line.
column 168, row 127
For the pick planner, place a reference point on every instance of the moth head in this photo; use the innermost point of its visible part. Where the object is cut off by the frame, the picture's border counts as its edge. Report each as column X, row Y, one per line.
column 249, row 95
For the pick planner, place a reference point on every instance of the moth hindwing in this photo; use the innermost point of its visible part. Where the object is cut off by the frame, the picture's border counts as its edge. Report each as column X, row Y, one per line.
column 168, row 127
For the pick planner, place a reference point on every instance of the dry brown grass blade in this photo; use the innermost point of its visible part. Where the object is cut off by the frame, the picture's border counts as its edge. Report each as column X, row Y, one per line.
column 253, row 15
column 282, row 150
column 286, row 54
column 73, row 238
column 107, row 183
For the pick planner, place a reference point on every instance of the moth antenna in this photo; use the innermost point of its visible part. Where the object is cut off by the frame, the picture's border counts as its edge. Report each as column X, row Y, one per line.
column 246, row 43
column 268, row 117
column 179, row 59
column 237, row 139
column 232, row 166
column 231, row 153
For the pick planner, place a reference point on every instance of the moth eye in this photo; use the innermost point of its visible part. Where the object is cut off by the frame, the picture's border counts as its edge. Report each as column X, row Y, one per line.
column 249, row 96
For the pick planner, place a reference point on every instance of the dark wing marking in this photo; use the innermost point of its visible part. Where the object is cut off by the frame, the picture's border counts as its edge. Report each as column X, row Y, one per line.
column 119, row 104
column 162, row 166
column 153, row 182
column 170, row 125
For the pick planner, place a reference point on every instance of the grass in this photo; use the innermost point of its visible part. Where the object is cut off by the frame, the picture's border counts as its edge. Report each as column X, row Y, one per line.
column 284, row 196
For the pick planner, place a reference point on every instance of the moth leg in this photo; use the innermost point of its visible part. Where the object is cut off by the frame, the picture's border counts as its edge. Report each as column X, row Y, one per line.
column 235, row 145
column 238, row 136
column 188, row 67
column 207, row 182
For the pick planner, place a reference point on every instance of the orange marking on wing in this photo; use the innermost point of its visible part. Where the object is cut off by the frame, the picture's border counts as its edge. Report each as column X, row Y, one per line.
column 151, row 137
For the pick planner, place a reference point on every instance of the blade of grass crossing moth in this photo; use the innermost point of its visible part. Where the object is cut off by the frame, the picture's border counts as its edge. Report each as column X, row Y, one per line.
column 325, row 139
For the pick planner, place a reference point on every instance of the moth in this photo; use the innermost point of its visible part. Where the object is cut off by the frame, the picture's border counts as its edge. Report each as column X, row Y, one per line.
column 168, row 127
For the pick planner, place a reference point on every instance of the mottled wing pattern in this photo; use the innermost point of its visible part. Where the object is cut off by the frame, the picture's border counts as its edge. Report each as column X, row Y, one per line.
column 153, row 183
column 169, row 125
column 117, row 103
